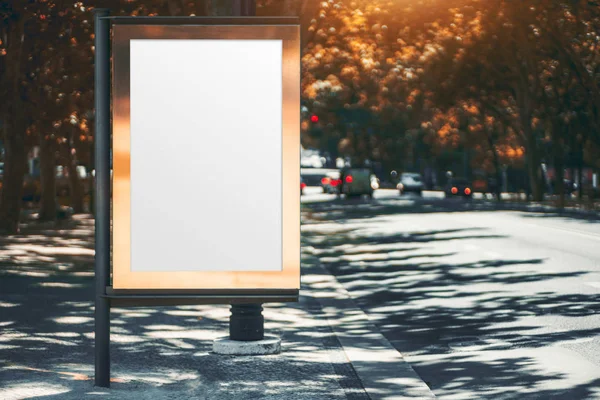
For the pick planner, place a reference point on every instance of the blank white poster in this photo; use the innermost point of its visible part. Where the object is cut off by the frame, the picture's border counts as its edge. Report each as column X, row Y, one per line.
column 206, row 124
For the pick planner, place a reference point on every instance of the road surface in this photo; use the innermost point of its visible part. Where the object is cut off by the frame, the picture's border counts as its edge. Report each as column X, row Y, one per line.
column 484, row 303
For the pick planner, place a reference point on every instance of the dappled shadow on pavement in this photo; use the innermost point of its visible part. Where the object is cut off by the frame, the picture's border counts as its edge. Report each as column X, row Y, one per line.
column 471, row 328
column 47, row 330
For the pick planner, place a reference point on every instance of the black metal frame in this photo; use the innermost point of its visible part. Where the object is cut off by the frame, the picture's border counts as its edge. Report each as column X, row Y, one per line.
column 246, row 322
column 242, row 20
column 142, row 298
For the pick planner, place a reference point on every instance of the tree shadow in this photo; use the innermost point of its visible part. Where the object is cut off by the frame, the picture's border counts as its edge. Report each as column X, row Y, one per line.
column 46, row 323
column 476, row 329
column 47, row 331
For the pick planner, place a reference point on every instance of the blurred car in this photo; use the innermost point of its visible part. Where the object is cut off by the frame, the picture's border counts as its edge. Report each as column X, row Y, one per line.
column 480, row 184
column 302, row 186
column 356, row 182
column 485, row 185
column 331, row 182
column 458, row 187
column 314, row 176
column 411, row 183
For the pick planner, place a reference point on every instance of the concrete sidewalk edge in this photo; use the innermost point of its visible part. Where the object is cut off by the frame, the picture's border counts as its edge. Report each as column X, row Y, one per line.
column 382, row 369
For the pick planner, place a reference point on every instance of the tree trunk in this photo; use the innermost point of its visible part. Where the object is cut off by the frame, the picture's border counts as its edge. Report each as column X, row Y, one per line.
column 498, row 188
column 15, row 157
column 559, row 165
column 525, row 104
column 560, row 180
column 534, row 174
column 48, row 204
column 75, row 185
column 15, row 164
column 309, row 9
column 533, row 165
column 220, row 7
column 579, row 178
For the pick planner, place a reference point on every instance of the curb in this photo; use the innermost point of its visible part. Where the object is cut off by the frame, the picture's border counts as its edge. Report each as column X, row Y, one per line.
column 567, row 211
column 382, row 369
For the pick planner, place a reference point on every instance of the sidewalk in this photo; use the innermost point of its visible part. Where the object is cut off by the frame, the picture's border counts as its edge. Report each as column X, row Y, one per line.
column 46, row 337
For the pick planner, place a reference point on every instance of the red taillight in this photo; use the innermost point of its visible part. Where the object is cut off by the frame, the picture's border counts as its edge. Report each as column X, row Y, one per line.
column 454, row 190
column 467, row 191
column 325, row 181
column 349, row 179
column 335, row 182
column 302, row 185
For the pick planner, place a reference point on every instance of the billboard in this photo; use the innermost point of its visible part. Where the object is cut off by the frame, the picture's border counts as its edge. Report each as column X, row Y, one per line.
column 206, row 156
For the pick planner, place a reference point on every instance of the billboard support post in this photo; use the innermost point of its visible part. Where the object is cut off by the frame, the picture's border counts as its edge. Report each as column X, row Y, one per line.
column 246, row 322
column 102, row 198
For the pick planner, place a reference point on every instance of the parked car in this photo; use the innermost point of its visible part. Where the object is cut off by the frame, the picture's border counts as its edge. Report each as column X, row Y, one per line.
column 314, row 176
column 485, row 185
column 480, row 184
column 410, row 183
column 331, row 182
column 458, row 187
column 356, row 182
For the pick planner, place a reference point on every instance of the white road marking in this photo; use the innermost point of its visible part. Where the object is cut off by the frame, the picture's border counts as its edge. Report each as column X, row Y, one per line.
column 492, row 254
column 593, row 284
column 588, row 235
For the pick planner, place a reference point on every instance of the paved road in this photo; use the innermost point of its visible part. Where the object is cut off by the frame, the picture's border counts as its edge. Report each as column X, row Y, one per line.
column 485, row 303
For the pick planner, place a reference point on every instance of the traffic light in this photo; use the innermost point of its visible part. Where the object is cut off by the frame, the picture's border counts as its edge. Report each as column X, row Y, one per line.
column 315, row 129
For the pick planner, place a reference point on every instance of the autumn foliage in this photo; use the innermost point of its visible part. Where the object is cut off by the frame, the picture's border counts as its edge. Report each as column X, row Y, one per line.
column 405, row 83
column 506, row 83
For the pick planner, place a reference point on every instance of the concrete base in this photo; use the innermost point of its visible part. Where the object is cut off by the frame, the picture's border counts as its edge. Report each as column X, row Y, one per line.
column 269, row 345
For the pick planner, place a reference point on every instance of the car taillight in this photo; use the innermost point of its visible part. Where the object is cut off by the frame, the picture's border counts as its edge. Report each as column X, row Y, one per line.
column 302, row 185
column 467, row 191
column 335, row 182
column 325, row 181
column 454, row 190
column 349, row 179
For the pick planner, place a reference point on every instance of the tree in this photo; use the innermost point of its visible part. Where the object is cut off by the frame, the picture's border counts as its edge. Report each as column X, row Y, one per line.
column 15, row 23
column 526, row 69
